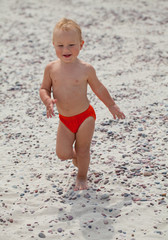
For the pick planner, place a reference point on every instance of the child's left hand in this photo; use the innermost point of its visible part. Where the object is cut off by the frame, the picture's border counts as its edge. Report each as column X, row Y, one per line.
column 116, row 112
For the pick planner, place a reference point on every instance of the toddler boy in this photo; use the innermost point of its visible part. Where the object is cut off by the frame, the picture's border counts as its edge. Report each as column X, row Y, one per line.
column 68, row 77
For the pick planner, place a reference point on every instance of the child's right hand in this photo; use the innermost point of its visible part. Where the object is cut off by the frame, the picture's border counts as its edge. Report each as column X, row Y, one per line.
column 50, row 107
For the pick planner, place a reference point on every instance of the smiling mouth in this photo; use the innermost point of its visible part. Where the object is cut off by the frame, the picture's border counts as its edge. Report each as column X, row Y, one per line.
column 67, row 55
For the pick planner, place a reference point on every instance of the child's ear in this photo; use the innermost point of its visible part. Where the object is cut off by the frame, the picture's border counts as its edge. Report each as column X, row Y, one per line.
column 82, row 42
column 53, row 43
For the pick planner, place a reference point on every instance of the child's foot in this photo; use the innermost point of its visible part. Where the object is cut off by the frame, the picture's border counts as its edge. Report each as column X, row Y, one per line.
column 81, row 184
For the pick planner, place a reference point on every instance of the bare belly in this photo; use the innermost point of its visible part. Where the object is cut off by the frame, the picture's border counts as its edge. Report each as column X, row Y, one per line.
column 72, row 108
column 71, row 100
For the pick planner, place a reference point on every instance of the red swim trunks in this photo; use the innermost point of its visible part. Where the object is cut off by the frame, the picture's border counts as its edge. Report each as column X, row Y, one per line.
column 74, row 122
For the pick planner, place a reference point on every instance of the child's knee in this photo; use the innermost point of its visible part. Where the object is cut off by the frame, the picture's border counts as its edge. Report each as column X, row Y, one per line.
column 63, row 155
column 84, row 151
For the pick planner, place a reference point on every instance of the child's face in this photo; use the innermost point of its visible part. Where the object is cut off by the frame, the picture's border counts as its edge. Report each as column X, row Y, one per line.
column 67, row 45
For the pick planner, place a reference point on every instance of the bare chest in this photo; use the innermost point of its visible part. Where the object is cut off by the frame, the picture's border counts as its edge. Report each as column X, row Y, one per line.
column 69, row 80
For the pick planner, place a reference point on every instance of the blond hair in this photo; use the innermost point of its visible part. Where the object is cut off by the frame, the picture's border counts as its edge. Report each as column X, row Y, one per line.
column 66, row 25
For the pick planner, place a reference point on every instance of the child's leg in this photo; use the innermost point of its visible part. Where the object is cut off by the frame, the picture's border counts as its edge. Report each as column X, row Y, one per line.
column 74, row 160
column 82, row 147
column 64, row 144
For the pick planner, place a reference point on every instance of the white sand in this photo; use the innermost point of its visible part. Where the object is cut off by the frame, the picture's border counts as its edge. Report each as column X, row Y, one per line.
column 126, row 41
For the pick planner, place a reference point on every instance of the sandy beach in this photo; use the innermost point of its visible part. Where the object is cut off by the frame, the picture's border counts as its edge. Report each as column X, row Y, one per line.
column 126, row 41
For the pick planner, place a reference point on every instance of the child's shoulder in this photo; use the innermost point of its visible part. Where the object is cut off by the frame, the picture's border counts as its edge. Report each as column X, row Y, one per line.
column 89, row 69
column 86, row 65
column 52, row 64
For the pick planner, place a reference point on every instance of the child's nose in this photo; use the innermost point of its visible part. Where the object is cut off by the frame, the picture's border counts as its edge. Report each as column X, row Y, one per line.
column 66, row 48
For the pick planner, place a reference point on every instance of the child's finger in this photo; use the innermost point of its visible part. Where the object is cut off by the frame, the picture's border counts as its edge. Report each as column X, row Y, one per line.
column 54, row 101
column 123, row 116
column 49, row 113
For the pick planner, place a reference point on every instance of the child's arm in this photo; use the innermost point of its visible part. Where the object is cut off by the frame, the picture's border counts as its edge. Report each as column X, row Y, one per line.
column 45, row 92
column 102, row 93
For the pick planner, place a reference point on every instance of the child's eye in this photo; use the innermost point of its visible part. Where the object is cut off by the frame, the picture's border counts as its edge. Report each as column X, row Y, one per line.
column 71, row 45
column 60, row 45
